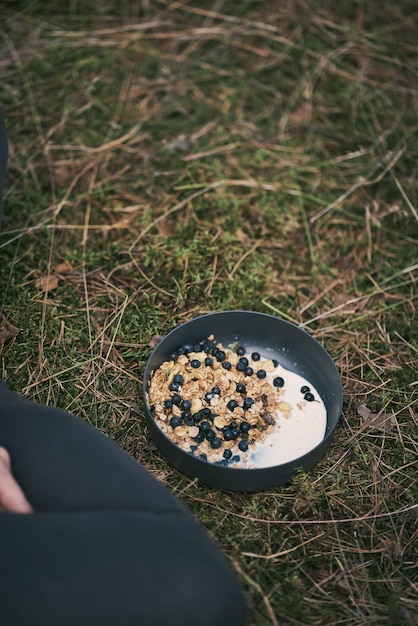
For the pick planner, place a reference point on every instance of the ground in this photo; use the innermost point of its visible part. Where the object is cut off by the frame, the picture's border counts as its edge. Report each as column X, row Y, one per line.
column 169, row 159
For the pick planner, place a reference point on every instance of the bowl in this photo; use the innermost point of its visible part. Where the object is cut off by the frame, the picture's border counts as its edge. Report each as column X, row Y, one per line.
column 274, row 338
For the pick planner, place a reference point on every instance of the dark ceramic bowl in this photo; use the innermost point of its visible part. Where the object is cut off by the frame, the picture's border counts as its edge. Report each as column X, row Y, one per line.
column 274, row 338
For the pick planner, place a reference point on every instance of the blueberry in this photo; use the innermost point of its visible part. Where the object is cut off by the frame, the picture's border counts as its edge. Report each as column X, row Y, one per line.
column 203, row 343
column 248, row 371
column 178, row 378
column 255, row 356
column 227, row 453
column 205, row 426
column 193, row 448
column 216, row 390
column 173, row 356
column 244, row 427
column 181, row 350
column 309, row 397
column 233, row 425
column 176, row 399
column 216, row 443
column 208, row 361
column 199, row 438
column 185, row 414
column 208, row 396
column 243, row 446
column 175, row 421
column 195, row 363
column 206, row 412
column 244, row 360
column 214, row 351
column 197, row 347
column 278, row 381
column 197, row 417
column 226, row 365
column 236, row 458
column 235, row 433
column 203, row 457
column 261, row 374
column 174, row 386
column 240, row 350
column 188, row 348
column 210, row 435
column 221, row 356
column 241, row 366
column 227, row 435
column 186, row 404
column 247, row 403
column 232, row 404
column 305, row 389
column 275, row 362
column 168, row 404
column 189, row 421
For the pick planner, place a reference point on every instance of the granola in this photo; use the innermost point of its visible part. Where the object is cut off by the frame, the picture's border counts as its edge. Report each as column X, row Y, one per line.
column 217, row 403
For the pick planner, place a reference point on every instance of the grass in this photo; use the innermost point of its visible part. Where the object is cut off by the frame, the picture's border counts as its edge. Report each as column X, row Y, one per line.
column 169, row 159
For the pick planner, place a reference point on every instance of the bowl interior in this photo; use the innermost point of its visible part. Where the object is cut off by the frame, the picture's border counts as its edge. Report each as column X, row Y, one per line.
column 274, row 338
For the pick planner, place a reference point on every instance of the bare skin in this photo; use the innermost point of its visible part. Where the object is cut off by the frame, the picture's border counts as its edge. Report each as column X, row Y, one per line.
column 12, row 498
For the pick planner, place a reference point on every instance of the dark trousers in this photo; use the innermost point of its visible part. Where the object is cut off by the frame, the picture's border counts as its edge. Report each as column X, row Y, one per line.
column 107, row 544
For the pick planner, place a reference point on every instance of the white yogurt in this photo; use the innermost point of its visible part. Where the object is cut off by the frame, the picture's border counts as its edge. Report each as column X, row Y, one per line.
column 296, row 435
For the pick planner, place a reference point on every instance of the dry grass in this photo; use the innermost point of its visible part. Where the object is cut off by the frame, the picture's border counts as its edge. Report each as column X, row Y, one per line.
column 169, row 159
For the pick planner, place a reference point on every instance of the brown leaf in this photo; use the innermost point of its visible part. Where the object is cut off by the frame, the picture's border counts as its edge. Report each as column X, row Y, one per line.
column 343, row 587
column 363, row 411
column 243, row 237
column 388, row 546
column 63, row 267
column 303, row 114
column 7, row 330
column 381, row 420
column 47, row 282
column 154, row 341
column 340, row 299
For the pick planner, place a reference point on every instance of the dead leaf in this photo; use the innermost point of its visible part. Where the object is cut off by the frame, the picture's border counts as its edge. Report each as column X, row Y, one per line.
column 7, row 330
column 343, row 587
column 303, row 114
column 243, row 238
column 63, row 267
column 340, row 299
column 381, row 421
column 363, row 411
column 300, row 506
column 46, row 283
column 388, row 546
column 154, row 341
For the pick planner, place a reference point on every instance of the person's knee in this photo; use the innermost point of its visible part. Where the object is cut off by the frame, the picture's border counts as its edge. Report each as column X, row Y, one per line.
column 220, row 600
column 197, row 584
column 212, row 593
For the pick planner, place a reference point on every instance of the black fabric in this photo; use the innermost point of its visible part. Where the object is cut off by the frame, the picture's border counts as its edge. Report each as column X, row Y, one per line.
column 107, row 544
column 113, row 569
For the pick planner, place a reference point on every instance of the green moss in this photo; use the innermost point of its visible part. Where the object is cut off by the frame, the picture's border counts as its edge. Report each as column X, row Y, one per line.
column 290, row 111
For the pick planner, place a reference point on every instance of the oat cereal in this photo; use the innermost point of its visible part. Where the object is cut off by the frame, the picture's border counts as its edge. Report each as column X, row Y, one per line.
column 221, row 404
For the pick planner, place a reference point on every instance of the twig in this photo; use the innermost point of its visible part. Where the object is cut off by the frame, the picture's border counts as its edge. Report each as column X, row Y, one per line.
column 363, row 181
column 269, row 557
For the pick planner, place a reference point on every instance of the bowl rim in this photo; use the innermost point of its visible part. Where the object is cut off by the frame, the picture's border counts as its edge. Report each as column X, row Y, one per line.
column 295, row 463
